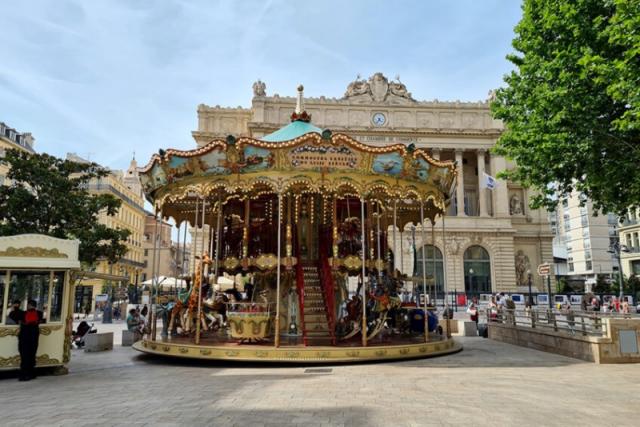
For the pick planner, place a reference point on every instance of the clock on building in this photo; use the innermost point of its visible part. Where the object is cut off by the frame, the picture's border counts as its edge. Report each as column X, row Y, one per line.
column 379, row 119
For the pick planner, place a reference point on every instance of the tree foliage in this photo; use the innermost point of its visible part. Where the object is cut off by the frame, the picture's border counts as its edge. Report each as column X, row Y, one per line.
column 49, row 196
column 571, row 106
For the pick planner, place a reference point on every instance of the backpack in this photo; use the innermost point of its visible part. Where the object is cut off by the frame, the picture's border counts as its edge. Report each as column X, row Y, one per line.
column 511, row 305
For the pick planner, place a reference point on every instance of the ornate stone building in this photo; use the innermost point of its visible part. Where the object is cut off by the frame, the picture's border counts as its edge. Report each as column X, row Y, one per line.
column 492, row 236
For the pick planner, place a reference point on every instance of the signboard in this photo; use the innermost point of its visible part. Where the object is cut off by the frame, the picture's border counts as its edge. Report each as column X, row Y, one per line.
column 544, row 269
column 102, row 298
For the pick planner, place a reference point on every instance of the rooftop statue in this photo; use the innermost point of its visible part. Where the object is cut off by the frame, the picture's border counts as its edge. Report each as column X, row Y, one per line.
column 259, row 88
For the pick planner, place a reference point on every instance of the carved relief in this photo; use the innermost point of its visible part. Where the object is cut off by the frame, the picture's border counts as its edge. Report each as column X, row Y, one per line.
column 32, row 252
column 358, row 118
column 402, row 119
column 470, row 120
column 447, row 120
column 378, row 89
column 426, row 120
column 335, row 117
column 522, row 265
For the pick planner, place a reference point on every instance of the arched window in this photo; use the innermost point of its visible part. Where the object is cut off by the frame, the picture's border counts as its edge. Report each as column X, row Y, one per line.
column 430, row 261
column 477, row 270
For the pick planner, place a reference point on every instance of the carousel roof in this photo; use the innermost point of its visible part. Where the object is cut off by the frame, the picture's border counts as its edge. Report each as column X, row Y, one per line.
column 299, row 157
column 291, row 131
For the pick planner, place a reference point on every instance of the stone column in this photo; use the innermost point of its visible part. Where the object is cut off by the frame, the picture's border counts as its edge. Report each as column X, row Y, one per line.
column 501, row 192
column 482, row 196
column 460, row 187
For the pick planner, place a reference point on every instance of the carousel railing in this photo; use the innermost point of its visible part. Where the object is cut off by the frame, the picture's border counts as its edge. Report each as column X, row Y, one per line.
column 300, row 288
column 326, row 282
column 299, row 284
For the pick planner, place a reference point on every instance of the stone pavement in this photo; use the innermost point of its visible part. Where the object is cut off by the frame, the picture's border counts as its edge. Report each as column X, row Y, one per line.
column 489, row 383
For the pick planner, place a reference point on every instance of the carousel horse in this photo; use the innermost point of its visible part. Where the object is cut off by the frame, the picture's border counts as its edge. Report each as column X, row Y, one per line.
column 215, row 308
column 380, row 304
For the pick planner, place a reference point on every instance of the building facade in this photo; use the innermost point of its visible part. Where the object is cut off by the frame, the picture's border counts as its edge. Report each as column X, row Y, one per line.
column 167, row 262
column 630, row 238
column 10, row 138
column 125, row 186
column 492, row 237
column 585, row 240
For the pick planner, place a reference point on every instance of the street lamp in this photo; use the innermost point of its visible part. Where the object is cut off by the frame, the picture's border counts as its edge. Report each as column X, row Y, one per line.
column 615, row 249
column 530, row 297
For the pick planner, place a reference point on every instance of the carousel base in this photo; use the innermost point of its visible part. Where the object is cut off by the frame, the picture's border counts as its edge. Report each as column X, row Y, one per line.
column 299, row 354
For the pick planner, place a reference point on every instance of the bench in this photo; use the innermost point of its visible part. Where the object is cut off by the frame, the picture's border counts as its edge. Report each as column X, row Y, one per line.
column 98, row 342
column 129, row 338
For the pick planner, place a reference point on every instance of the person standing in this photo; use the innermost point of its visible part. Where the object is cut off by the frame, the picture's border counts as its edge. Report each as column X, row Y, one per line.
column 28, row 338
column 16, row 313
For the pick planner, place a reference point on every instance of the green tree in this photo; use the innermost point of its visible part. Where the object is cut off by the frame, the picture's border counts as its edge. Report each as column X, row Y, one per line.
column 571, row 106
column 49, row 196
column 602, row 286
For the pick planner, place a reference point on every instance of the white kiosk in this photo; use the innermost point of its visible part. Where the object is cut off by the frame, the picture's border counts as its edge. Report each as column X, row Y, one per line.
column 38, row 267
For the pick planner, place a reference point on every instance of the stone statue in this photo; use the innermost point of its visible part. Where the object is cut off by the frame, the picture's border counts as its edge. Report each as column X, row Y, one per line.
column 378, row 89
column 515, row 205
column 357, row 87
column 259, row 88
column 399, row 89
column 522, row 265
column 491, row 96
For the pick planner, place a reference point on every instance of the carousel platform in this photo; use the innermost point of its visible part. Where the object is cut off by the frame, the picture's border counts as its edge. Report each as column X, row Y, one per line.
column 267, row 353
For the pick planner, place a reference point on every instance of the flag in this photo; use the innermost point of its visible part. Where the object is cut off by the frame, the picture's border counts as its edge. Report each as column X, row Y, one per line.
column 488, row 181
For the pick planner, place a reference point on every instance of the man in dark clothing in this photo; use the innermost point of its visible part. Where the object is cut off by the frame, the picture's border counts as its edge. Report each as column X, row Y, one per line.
column 16, row 314
column 28, row 340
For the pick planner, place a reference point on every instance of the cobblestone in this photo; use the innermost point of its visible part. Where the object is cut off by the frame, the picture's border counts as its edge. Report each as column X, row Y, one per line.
column 489, row 383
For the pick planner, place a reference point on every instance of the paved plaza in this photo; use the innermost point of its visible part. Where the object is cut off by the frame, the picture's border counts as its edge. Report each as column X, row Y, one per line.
column 489, row 383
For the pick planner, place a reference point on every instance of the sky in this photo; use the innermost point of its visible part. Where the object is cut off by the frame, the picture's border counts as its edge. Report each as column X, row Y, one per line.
column 105, row 79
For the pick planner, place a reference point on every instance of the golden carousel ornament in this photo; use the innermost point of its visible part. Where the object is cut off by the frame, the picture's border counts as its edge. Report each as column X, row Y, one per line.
column 301, row 227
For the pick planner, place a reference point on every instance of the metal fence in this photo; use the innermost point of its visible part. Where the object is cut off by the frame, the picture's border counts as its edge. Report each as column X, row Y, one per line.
column 586, row 323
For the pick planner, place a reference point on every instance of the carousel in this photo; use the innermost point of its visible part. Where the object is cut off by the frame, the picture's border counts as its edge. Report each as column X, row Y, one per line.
column 294, row 237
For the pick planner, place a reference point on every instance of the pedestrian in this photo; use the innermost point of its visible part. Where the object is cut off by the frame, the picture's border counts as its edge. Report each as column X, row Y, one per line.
column 15, row 314
column 624, row 307
column 595, row 304
column 583, row 303
column 472, row 310
column 87, row 310
column 567, row 311
column 28, row 337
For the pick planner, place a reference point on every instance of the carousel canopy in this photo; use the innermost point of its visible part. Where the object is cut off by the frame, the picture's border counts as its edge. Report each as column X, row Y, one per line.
column 298, row 158
column 292, row 131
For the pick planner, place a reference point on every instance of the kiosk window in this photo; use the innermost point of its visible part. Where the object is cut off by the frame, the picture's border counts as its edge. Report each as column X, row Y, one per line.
column 26, row 285
column 57, row 296
column 2, row 300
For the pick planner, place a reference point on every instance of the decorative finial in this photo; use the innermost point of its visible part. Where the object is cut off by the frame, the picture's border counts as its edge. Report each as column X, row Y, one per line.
column 299, row 100
column 299, row 113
